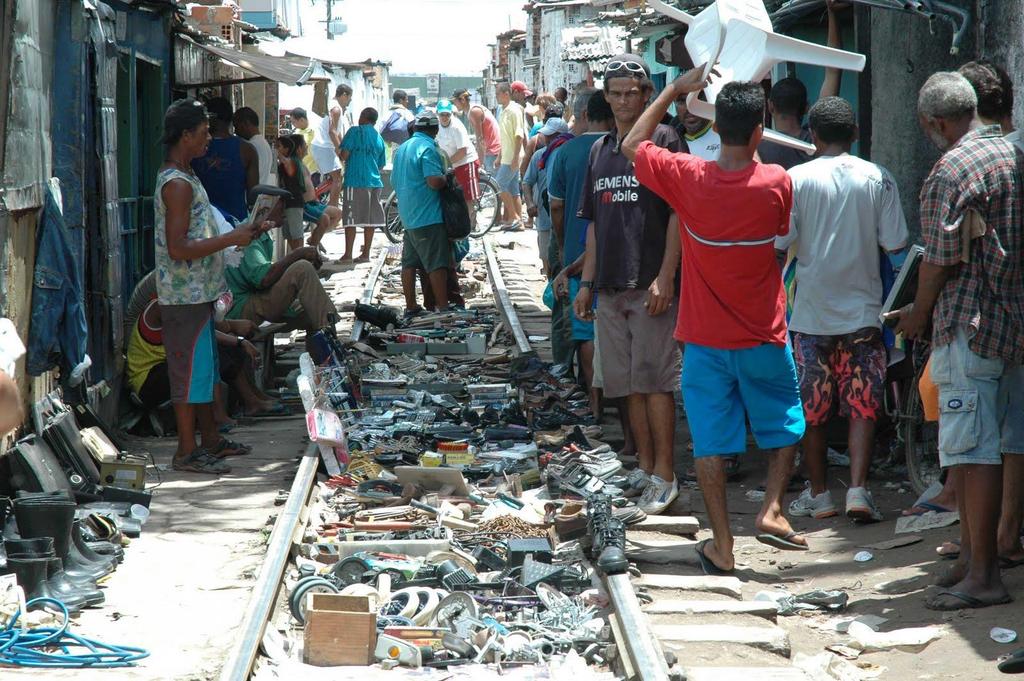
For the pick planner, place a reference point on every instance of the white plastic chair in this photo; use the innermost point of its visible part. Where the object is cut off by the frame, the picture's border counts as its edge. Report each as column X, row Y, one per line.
column 736, row 38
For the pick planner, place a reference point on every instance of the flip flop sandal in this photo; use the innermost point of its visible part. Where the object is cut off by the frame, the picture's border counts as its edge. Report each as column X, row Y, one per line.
column 783, row 542
column 226, row 448
column 1010, row 563
column 967, row 601
column 201, row 461
column 928, row 507
column 709, row 568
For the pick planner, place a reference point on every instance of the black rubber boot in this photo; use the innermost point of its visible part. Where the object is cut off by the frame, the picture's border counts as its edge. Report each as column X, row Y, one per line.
column 79, row 545
column 108, row 549
column 31, row 576
column 40, row 547
column 67, row 592
column 53, row 517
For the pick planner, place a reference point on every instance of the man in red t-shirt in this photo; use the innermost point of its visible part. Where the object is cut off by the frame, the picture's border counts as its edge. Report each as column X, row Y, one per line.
column 732, row 306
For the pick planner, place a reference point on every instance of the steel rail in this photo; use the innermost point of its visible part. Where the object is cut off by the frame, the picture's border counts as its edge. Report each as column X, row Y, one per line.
column 238, row 666
column 369, row 288
column 633, row 635
column 242, row 657
column 504, row 300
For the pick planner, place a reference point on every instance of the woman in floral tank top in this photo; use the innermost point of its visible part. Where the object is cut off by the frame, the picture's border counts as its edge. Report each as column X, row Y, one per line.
column 189, row 278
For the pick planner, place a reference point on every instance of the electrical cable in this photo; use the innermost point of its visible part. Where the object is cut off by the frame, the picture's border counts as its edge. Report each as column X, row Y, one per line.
column 50, row 647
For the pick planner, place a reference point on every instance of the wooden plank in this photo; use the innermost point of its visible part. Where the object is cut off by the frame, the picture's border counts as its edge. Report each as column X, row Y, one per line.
column 683, row 607
column 626, row 664
column 772, row 639
column 746, row 674
column 670, row 524
column 728, row 586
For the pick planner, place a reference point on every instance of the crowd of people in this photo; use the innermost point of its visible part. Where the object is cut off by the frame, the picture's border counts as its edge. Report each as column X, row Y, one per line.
column 626, row 198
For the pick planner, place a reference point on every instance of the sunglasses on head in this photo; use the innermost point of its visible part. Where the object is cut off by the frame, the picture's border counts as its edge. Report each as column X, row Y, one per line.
column 630, row 66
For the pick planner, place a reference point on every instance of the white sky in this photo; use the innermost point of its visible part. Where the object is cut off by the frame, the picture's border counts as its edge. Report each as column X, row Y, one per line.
column 422, row 36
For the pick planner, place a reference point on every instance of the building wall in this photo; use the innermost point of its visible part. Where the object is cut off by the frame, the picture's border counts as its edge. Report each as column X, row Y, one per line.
column 555, row 72
column 904, row 52
column 1000, row 31
column 26, row 169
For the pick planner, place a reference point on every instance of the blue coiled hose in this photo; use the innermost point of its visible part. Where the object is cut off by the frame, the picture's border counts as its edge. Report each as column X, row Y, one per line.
column 57, row 647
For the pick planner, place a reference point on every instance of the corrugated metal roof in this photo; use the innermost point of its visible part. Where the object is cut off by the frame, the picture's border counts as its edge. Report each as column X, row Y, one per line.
column 591, row 43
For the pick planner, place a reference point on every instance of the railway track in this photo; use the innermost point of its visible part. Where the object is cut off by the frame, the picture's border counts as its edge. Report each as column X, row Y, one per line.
column 639, row 655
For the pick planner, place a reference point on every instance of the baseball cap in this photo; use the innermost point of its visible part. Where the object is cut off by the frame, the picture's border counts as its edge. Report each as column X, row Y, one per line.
column 445, row 106
column 627, row 66
column 427, row 119
column 553, row 126
column 520, row 86
column 459, row 93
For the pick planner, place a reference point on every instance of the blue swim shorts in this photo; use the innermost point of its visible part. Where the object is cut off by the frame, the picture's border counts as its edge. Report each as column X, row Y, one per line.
column 724, row 388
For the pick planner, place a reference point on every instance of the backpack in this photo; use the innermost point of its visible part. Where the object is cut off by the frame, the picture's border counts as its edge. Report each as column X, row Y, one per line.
column 395, row 130
column 454, row 211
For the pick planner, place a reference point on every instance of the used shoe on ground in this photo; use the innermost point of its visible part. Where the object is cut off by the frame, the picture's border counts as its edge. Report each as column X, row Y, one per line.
column 808, row 505
column 637, row 482
column 861, row 506
column 658, row 495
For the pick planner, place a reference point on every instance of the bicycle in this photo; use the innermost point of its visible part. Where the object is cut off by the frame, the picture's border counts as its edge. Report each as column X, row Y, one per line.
column 487, row 209
column 920, row 438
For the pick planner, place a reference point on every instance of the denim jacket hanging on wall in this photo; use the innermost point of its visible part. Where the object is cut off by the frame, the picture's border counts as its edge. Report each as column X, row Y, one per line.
column 57, row 333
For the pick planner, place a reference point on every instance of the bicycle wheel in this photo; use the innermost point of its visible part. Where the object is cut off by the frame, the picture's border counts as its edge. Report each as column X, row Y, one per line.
column 920, row 439
column 487, row 207
column 393, row 227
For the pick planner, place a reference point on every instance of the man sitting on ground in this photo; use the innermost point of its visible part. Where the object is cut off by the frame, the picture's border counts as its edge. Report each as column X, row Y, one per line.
column 732, row 306
column 149, row 379
column 288, row 290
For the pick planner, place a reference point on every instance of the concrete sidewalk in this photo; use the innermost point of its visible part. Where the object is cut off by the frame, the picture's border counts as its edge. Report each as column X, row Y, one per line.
column 185, row 582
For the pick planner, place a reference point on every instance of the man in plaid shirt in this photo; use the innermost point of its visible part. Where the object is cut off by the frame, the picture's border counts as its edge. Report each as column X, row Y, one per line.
column 971, row 287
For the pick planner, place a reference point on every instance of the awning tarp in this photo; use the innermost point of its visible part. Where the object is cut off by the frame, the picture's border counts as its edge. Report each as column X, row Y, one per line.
column 290, row 70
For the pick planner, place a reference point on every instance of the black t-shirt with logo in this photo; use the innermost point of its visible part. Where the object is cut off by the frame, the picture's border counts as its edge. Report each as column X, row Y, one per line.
column 780, row 155
column 629, row 219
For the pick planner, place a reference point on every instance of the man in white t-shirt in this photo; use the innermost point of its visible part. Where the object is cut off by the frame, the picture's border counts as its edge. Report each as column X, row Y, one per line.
column 845, row 211
column 247, row 126
column 454, row 140
column 326, row 147
column 697, row 132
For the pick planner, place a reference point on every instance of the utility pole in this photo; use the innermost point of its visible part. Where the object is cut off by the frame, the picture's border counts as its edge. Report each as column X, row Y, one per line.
column 330, row 17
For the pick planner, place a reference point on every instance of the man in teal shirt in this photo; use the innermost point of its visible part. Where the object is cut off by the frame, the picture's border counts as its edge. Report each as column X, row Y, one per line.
column 417, row 176
column 285, row 291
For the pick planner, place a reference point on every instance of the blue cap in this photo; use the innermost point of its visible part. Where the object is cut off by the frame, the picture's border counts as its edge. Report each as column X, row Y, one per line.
column 445, row 106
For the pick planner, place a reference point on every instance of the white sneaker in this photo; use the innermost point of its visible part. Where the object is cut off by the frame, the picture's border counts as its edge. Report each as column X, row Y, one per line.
column 807, row 504
column 658, row 495
column 861, row 506
column 637, row 481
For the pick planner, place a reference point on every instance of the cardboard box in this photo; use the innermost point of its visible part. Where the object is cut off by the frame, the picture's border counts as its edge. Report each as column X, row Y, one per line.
column 340, row 630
